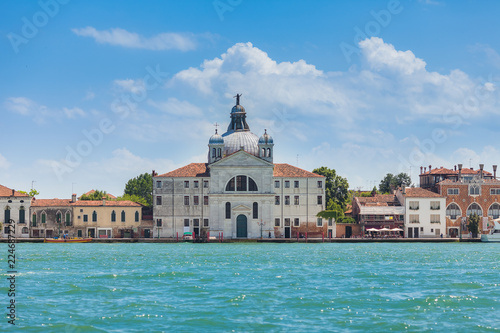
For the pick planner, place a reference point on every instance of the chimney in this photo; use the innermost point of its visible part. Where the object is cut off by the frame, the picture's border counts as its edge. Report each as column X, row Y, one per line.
column 421, row 168
column 73, row 197
column 13, row 192
column 404, row 190
column 460, row 172
column 425, row 169
column 430, row 168
column 104, row 201
column 481, row 166
column 455, row 168
column 494, row 172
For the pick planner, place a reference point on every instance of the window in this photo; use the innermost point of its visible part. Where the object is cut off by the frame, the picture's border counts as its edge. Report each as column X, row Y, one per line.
column 196, row 222
column 320, row 184
column 296, row 200
column 320, row 200
column 79, row 233
column 277, row 222
column 453, row 211
column 24, row 230
column 58, row 217
column 158, row 200
column 494, row 211
column 287, row 222
column 435, row 218
column 241, row 184
column 94, row 216
column 85, row 218
column 186, row 200
column 413, row 205
column 33, row 220
column 287, row 184
column 287, row 200
column 196, row 184
column 277, row 200
column 474, row 189
column 22, row 218
column 205, row 183
column 158, row 222
column 276, row 184
column 453, row 191
column 196, row 200
column 330, row 222
column 123, row 216
column 296, row 222
column 68, row 218
column 186, row 184
column 205, row 222
column 113, row 216
column 158, row 184
column 435, row 205
column 319, row 222
column 228, row 210
column 495, row 191
column 414, row 218
column 205, row 200
column 255, row 210
column 296, row 184
column 136, row 216
column 186, row 222
column 7, row 215
column 474, row 209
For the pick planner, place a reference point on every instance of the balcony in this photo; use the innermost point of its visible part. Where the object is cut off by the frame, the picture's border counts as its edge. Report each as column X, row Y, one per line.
column 435, row 208
column 413, row 207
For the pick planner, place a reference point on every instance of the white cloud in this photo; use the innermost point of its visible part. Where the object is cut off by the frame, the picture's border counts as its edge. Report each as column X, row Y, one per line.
column 175, row 107
column 124, row 38
column 73, row 112
column 21, row 105
column 4, row 164
column 130, row 86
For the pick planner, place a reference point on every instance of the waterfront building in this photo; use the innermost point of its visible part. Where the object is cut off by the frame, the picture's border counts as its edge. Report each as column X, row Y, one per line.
column 378, row 211
column 15, row 206
column 87, row 218
column 429, row 179
column 424, row 212
column 240, row 192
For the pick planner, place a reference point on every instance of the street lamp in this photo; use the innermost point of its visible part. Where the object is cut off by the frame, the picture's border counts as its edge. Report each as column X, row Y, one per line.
column 261, row 224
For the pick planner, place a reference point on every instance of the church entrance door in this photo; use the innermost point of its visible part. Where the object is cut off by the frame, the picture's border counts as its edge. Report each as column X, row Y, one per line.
column 241, row 226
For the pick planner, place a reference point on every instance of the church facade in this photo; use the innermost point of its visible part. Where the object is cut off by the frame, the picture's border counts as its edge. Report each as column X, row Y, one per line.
column 240, row 192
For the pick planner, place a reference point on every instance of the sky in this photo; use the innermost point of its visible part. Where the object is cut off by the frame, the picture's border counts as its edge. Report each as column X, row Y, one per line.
column 95, row 93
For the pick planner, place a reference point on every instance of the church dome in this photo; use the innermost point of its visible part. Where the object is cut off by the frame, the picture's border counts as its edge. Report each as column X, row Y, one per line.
column 216, row 139
column 266, row 138
column 234, row 141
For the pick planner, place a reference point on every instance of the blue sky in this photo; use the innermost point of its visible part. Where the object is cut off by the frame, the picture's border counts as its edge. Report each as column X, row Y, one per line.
column 94, row 93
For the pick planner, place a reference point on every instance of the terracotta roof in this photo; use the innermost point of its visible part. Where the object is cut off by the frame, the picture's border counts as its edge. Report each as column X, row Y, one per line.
column 287, row 170
column 81, row 203
column 50, row 202
column 417, row 192
column 7, row 192
column 92, row 191
column 190, row 170
column 465, row 171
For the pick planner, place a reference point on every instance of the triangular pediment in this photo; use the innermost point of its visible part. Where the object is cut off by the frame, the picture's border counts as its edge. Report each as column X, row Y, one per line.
column 241, row 208
column 241, row 158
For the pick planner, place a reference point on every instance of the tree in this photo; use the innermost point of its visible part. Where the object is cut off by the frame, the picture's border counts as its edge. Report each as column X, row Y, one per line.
column 134, row 198
column 31, row 193
column 336, row 188
column 96, row 195
column 141, row 186
column 391, row 182
column 473, row 225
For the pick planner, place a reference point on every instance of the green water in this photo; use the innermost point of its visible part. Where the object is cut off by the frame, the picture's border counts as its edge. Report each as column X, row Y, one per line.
column 255, row 287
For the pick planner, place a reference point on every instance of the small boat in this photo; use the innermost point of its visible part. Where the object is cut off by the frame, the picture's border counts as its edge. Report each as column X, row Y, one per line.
column 494, row 234
column 67, row 240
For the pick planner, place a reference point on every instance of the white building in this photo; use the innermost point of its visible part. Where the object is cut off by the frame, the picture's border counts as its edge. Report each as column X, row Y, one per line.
column 16, row 207
column 424, row 212
column 240, row 192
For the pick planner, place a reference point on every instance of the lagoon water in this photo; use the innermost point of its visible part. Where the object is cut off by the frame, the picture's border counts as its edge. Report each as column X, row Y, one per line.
column 243, row 287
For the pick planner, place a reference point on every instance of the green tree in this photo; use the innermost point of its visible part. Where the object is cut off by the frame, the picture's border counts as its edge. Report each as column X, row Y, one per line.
column 391, row 182
column 336, row 188
column 96, row 195
column 31, row 193
column 134, row 198
column 141, row 186
column 473, row 225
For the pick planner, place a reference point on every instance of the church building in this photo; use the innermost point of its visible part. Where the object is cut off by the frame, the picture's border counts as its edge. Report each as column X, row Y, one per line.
column 240, row 192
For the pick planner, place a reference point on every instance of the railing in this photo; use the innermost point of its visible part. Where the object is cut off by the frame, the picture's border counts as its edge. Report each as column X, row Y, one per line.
column 415, row 221
column 414, row 208
column 435, row 208
column 435, row 221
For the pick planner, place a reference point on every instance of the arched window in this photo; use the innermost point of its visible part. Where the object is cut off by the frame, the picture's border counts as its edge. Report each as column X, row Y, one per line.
column 494, row 211
column 255, row 210
column 123, row 216
column 22, row 218
column 453, row 211
column 268, row 152
column 474, row 209
column 263, row 152
column 58, row 217
column 219, row 152
column 213, row 152
column 94, row 216
column 241, row 184
column 228, row 210
column 113, row 216
column 33, row 220
column 68, row 218
column 7, row 214
column 136, row 216
column 44, row 217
